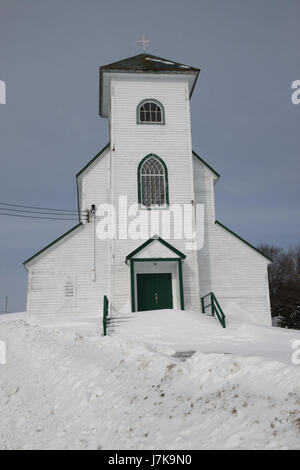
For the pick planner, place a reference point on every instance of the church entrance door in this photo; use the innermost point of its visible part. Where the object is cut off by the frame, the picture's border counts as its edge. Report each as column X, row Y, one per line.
column 154, row 291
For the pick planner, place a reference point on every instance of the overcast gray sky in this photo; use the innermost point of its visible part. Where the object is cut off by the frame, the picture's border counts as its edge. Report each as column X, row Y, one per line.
column 243, row 121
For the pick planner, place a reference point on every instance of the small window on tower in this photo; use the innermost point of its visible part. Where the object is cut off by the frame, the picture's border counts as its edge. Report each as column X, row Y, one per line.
column 150, row 111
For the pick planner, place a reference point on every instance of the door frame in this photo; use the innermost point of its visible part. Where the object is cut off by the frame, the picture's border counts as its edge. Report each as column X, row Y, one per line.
column 133, row 276
column 152, row 281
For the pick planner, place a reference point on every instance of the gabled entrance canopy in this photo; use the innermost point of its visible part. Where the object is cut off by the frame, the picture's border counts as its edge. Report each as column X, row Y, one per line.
column 156, row 275
column 166, row 250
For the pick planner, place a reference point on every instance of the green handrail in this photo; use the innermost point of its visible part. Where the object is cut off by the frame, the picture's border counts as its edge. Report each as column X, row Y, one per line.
column 215, row 308
column 105, row 314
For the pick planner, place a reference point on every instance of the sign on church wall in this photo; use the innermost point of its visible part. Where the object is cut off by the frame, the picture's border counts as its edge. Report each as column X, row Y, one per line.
column 70, row 292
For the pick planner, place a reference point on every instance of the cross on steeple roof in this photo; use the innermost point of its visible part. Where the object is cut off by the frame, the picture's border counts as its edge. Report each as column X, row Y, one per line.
column 143, row 42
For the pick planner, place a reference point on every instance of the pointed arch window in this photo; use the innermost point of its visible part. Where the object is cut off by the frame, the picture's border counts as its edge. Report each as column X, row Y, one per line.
column 150, row 111
column 153, row 182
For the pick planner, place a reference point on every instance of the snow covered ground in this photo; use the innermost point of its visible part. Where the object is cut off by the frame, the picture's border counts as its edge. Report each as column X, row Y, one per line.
column 67, row 390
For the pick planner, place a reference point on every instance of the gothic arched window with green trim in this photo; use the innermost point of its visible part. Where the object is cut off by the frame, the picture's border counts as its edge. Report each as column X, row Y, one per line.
column 153, row 182
column 150, row 111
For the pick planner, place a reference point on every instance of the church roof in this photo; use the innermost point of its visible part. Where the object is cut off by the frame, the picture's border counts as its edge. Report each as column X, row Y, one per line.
column 243, row 240
column 52, row 243
column 93, row 159
column 207, row 165
column 143, row 63
column 99, row 154
column 148, row 63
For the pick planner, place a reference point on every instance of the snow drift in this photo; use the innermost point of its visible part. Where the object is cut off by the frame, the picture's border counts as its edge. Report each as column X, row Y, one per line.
column 66, row 390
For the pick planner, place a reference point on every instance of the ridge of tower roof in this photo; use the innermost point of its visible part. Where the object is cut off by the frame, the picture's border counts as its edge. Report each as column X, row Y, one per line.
column 145, row 63
column 148, row 63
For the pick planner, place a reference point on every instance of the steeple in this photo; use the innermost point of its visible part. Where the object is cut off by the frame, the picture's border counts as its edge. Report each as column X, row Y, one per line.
column 142, row 64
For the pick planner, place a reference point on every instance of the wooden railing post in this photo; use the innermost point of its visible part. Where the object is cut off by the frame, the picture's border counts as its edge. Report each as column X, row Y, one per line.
column 216, row 309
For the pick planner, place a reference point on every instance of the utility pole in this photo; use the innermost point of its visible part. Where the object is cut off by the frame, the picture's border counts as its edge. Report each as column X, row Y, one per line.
column 6, row 303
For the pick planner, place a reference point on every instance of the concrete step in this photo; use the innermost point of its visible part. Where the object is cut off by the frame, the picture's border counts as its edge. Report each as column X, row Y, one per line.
column 183, row 355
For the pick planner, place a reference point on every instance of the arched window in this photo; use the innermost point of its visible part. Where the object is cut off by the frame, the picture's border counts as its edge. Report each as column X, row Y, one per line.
column 150, row 111
column 153, row 182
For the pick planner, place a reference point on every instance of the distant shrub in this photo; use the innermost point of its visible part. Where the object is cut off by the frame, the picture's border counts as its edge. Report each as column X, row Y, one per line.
column 284, row 281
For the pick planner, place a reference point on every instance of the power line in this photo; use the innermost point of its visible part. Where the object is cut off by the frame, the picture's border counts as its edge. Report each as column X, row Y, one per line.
column 35, row 207
column 35, row 217
column 35, row 212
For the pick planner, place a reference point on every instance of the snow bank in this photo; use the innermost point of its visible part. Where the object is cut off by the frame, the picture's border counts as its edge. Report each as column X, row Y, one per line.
column 183, row 330
column 63, row 390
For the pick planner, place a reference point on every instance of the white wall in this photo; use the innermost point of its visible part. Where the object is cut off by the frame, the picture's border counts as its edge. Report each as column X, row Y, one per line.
column 130, row 143
column 231, row 269
column 73, row 258
column 94, row 182
column 239, row 276
column 225, row 265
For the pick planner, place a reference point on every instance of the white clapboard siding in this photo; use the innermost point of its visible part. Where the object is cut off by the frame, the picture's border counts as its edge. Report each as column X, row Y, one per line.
column 63, row 287
column 130, row 143
column 235, row 272
column 93, row 182
column 72, row 257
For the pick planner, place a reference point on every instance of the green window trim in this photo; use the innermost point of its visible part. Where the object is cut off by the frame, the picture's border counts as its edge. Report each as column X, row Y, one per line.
column 152, row 100
column 166, row 205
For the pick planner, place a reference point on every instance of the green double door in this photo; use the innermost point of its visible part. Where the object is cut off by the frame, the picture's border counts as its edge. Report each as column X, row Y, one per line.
column 154, row 291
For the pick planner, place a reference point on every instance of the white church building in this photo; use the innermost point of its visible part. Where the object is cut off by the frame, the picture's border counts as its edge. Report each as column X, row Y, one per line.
column 146, row 172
